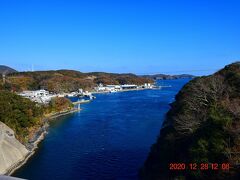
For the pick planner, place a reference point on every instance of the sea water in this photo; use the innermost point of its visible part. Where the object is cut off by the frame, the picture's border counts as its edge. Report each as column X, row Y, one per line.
column 109, row 139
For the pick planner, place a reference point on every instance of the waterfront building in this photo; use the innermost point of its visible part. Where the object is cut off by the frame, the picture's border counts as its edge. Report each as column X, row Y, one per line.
column 39, row 96
column 129, row 86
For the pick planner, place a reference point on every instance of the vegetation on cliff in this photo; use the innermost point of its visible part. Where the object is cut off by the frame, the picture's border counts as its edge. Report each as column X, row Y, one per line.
column 66, row 80
column 202, row 126
column 59, row 104
column 19, row 113
column 25, row 116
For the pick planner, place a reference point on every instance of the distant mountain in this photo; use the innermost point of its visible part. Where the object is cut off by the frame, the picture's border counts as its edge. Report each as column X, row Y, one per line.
column 165, row 76
column 6, row 70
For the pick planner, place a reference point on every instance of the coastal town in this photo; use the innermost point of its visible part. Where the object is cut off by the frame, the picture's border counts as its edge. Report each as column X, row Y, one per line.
column 43, row 96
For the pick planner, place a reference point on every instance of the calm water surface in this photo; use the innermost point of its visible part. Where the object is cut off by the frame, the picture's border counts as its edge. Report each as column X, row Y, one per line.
column 109, row 139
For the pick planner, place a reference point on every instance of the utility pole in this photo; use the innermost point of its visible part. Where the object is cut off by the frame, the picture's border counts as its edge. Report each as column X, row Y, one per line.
column 4, row 78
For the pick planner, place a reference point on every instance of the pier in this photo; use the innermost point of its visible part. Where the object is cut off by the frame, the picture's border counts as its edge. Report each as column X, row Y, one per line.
column 81, row 102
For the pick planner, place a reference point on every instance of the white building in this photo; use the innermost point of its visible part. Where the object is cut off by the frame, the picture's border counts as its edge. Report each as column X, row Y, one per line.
column 148, row 85
column 39, row 96
column 129, row 86
column 37, row 93
column 115, row 88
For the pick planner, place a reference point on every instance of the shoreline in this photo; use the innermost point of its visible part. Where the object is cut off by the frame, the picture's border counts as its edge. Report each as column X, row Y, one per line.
column 43, row 131
column 28, row 156
column 124, row 90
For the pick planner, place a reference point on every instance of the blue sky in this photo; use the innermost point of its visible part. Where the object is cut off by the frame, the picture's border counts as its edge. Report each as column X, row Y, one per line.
column 142, row 36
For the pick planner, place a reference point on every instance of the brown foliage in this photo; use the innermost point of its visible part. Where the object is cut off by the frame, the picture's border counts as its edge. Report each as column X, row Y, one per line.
column 67, row 80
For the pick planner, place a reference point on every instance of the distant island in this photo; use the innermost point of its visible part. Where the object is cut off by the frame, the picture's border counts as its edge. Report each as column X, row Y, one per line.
column 200, row 138
column 168, row 77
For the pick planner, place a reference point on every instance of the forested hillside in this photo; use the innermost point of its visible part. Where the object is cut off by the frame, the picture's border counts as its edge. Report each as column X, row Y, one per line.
column 66, row 80
column 25, row 116
column 202, row 126
column 19, row 113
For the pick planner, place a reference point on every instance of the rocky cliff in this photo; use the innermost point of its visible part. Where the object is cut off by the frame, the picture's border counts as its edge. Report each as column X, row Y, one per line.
column 12, row 152
column 202, row 127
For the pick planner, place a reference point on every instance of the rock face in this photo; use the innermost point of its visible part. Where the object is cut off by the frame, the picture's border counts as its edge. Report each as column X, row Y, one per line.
column 12, row 151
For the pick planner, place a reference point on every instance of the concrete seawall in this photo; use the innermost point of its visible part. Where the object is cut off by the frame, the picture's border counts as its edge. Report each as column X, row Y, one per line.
column 12, row 152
